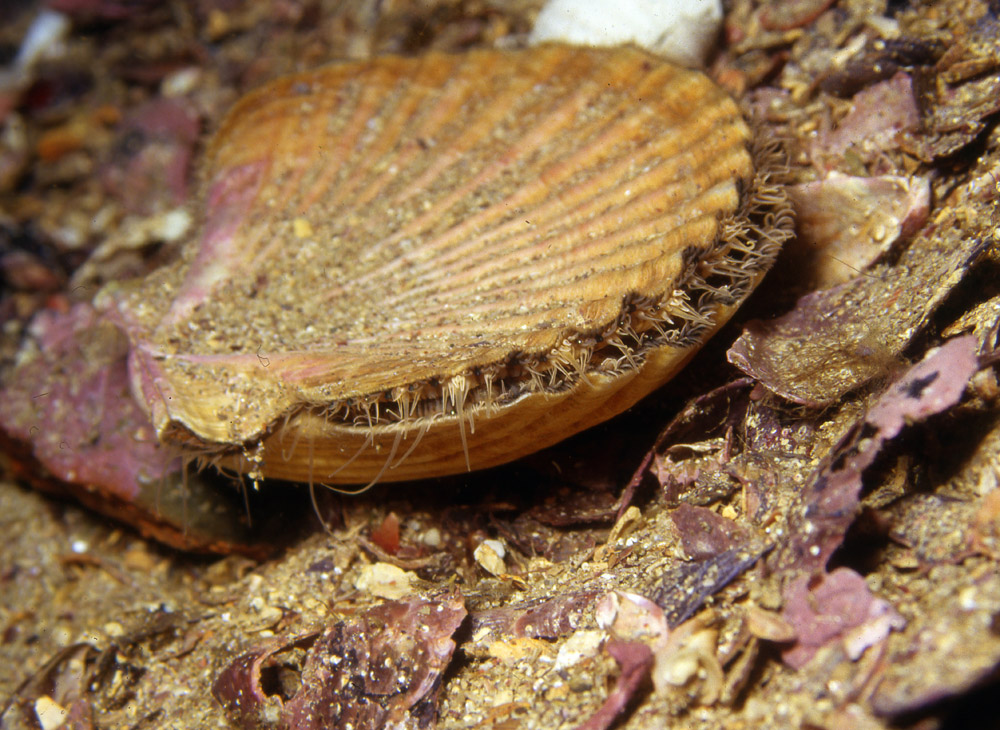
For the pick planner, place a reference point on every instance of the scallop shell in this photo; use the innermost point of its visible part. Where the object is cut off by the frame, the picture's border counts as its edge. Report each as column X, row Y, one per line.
column 410, row 267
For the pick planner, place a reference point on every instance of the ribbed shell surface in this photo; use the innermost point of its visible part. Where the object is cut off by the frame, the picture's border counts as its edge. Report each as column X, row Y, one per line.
column 450, row 247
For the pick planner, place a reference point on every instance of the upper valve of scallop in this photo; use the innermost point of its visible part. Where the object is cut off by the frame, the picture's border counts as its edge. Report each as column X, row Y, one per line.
column 411, row 267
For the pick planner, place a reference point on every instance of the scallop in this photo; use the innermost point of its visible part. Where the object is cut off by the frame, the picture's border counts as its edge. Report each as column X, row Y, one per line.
column 411, row 267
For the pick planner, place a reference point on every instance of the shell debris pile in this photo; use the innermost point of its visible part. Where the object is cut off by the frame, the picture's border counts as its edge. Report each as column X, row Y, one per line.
column 409, row 267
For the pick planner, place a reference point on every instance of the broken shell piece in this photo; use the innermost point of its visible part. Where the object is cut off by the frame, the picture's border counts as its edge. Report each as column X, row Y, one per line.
column 490, row 554
column 410, row 267
column 846, row 223
column 385, row 581
column 580, row 645
column 691, row 652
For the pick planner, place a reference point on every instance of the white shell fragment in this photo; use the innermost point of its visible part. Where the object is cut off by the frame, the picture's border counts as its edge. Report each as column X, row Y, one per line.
column 683, row 31
column 489, row 555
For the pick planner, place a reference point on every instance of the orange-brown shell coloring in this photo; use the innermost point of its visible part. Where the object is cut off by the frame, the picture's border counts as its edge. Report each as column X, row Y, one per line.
column 412, row 266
